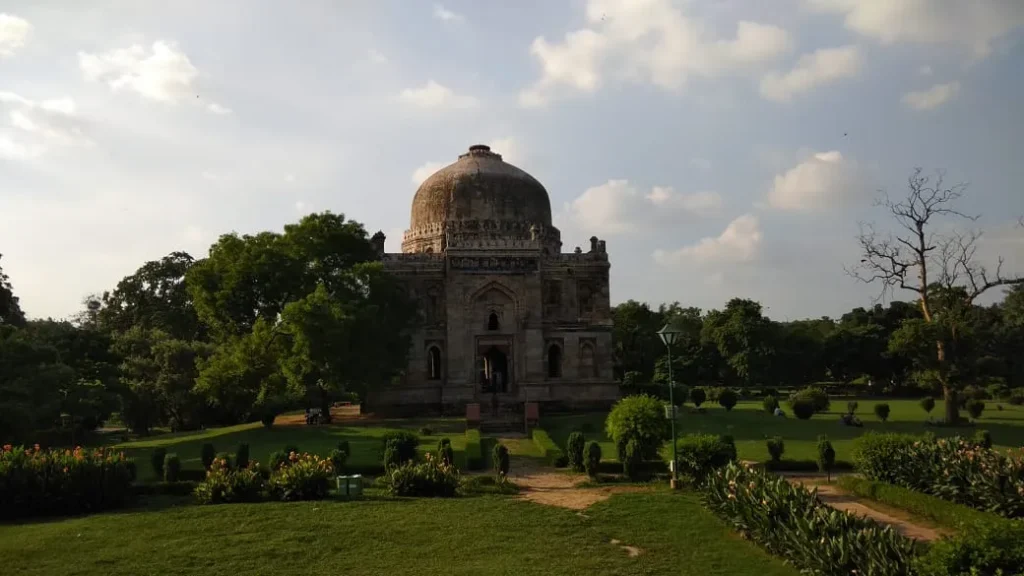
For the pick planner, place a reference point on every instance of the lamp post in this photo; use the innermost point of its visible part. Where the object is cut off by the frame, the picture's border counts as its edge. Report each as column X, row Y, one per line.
column 668, row 335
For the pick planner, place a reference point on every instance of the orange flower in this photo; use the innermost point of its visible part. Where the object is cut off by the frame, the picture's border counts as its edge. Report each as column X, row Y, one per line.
column 37, row 447
column 65, row 469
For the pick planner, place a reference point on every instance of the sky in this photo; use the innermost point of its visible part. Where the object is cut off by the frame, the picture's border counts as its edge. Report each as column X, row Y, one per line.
column 722, row 148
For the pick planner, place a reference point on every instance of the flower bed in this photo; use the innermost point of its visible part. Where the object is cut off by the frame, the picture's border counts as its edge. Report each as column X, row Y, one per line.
column 953, row 469
column 297, row 477
column 36, row 482
column 430, row 478
column 789, row 521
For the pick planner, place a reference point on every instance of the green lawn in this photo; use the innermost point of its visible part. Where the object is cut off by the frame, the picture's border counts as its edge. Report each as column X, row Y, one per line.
column 472, row 536
column 364, row 440
column 750, row 426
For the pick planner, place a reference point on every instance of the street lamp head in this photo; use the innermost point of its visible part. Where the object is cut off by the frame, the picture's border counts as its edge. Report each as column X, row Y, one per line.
column 669, row 333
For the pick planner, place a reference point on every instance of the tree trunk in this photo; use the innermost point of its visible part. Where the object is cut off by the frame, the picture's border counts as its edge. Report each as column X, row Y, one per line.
column 949, row 394
column 325, row 407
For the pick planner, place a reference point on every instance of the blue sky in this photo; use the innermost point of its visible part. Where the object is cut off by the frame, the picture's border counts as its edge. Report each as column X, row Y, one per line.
column 722, row 147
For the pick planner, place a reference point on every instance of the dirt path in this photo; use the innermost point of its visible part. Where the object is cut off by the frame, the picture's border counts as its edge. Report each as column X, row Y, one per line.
column 551, row 487
column 840, row 500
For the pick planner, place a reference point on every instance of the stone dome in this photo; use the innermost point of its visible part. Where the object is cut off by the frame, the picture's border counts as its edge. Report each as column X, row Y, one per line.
column 478, row 197
column 480, row 186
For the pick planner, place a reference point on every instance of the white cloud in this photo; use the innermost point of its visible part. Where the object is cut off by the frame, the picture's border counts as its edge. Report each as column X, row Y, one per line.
column 164, row 74
column 377, row 57
column 15, row 150
column 740, row 242
column 933, row 97
column 39, row 126
column 14, row 33
column 646, row 41
column 971, row 23
column 434, row 96
column 445, row 15
column 821, row 67
column 218, row 109
column 508, row 148
column 823, row 180
column 618, row 207
column 425, row 171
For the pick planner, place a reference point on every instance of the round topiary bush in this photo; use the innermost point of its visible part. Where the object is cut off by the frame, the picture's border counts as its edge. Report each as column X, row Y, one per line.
column 172, row 468
column 640, row 419
column 776, row 448
column 803, row 408
column 574, row 451
column 268, row 420
column 156, row 458
column 500, row 459
column 928, row 404
column 851, row 407
column 207, row 454
column 592, row 459
column 770, row 404
column 698, row 396
column 882, row 411
column 975, row 408
column 242, row 455
column 727, row 399
column 818, row 398
column 983, row 439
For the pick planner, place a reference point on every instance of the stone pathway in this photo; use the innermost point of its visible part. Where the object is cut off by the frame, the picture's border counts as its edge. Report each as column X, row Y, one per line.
column 840, row 500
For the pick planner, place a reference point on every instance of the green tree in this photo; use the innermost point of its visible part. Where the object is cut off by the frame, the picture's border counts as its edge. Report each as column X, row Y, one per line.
column 745, row 338
column 32, row 379
column 634, row 336
column 918, row 259
column 153, row 297
column 10, row 310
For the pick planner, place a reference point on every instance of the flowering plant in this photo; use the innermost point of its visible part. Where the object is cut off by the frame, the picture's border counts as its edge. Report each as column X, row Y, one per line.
column 306, row 477
column 432, row 477
column 225, row 483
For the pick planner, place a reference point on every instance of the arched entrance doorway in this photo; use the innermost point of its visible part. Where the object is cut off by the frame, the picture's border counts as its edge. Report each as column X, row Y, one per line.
column 495, row 370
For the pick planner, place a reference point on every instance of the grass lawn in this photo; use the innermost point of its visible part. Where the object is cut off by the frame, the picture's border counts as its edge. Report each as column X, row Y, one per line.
column 478, row 536
column 750, row 426
column 364, row 440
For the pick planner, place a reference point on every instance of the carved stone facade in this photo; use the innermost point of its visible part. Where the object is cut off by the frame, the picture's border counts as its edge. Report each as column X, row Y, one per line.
column 505, row 315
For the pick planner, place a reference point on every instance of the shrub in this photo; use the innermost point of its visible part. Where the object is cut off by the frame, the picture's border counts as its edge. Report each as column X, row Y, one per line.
column 207, row 454
column 700, row 454
column 35, row 482
column 851, row 407
column 474, row 451
column 639, row 418
column 242, row 455
column 268, row 420
column 442, row 443
column 975, row 408
column 817, row 397
column 592, row 459
column 430, row 478
column 404, row 444
column 289, row 448
column 632, row 459
column 574, row 451
column 338, row 458
column 225, row 457
column 224, row 484
column 499, row 459
column 426, row 431
column 552, row 453
column 776, row 448
column 983, row 439
column 769, row 404
column 790, row 521
column 1017, row 397
column 998, row 391
column 826, row 456
column 927, row 404
column 391, row 458
column 277, row 459
column 882, row 411
column 698, row 396
column 952, row 469
column 156, row 458
column 680, row 394
column 487, row 485
column 172, row 468
column 803, row 408
column 995, row 548
column 307, row 477
column 445, row 453
column 727, row 399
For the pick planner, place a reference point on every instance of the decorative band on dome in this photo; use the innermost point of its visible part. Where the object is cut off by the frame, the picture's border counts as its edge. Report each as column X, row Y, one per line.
column 479, row 150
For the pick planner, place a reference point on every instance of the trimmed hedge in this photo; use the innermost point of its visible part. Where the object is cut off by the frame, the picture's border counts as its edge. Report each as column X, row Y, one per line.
column 805, row 466
column 552, row 453
column 995, row 548
column 474, row 452
column 945, row 514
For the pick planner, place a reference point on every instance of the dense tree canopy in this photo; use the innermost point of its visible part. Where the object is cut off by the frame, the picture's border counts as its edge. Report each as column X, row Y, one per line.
column 10, row 311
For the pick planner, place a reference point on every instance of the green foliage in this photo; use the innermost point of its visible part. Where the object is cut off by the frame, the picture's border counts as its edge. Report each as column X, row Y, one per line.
column 803, row 408
column 445, row 453
column 826, row 455
column 953, row 469
column 36, row 482
column 983, row 439
column 289, row 448
column 944, row 513
column 277, row 459
column 776, row 448
column 391, row 458
column 698, row 396
column 818, row 398
column 156, row 459
column 10, row 310
column 994, row 548
column 727, row 398
column 268, row 419
column 500, row 459
column 789, row 521
column 172, row 468
column 553, row 455
column 592, row 459
column 928, row 404
column 632, row 458
column 226, row 484
column 426, row 431
column 242, row 455
column 700, row 454
column 431, row 479
column 639, row 418
column 403, row 444
column 574, row 451
column 480, row 484
column 207, row 454
column 975, row 408
column 851, row 407
column 306, row 477
column 769, row 404
column 882, row 411
column 474, row 449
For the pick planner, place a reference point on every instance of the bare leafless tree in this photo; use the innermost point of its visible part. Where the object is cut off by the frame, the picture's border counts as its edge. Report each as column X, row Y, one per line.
column 918, row 258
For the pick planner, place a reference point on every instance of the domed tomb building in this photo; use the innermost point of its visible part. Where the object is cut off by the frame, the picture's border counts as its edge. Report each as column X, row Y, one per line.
column 506, row 317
